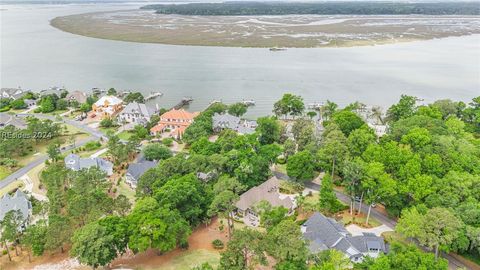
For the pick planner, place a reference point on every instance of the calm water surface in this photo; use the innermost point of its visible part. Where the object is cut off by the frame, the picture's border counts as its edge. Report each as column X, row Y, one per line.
column 35, row 55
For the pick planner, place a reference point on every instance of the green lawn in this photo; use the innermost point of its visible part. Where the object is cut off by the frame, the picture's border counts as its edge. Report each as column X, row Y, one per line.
column 188, row 259
column 10, row 187
column 124, row 135
column 126, row 190
column 4, row 172
column 106, row 130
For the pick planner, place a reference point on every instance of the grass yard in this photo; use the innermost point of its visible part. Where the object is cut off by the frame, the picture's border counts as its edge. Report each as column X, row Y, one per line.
column 126, row 190
column 281, row 168
column 10, row 187
column 106, row 130
column 34, row 175
column 188, row 259
column 124, row 135
column 4, row 172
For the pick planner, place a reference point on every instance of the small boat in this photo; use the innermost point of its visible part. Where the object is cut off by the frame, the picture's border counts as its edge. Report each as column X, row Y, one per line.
column 249, row 102
column 153, row 95
column 276, row 49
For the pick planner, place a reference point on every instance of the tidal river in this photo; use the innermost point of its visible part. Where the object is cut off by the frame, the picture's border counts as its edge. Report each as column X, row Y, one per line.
column 34, row 55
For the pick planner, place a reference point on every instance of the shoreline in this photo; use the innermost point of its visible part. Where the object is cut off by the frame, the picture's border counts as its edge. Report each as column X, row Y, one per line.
column 156, row 30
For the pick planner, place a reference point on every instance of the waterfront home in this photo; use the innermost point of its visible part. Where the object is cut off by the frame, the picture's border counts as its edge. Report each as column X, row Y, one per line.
column 107, row 106
column 174, row 122
column 77, row 96
column 267, row 191
column 11, row 120
column 324, row 233
column 30, row 102
column 136, row 170
column 12, row 93
column 228, row 121
column 17, row 201
column 136, row 113
column 54, row 90
column 76, row 163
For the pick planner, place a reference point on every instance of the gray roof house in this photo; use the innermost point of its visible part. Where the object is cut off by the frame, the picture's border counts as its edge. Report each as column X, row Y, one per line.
column 136, row 170
column 76, row 163
column 30, row 102
column 224, row 121
column 17, row 201
column 267, row 191
column 324, row 233
column 77, row 96
column 13, row 93
column 10, row 120
column 136, row 113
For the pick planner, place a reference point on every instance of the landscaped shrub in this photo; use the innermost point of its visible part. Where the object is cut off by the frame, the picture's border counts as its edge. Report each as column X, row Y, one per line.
column 167, row 141
column 92, row 145
column 217, row 244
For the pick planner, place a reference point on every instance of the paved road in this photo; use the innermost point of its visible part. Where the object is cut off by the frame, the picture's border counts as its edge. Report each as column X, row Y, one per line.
column 95, row 135
column 453, row 263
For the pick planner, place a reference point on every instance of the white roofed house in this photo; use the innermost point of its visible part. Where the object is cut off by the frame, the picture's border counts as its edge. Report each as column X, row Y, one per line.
column 107, row 106
column 267, row 191
column 13, row 93
column 136, row 113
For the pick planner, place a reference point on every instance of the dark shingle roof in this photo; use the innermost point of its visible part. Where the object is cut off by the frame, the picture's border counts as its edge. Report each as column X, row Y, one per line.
column 323, row 233
column 18, row 201
column 138, row 169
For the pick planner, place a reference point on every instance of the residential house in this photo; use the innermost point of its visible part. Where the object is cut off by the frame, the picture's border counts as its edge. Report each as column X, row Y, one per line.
column 13, row 93
column 136, row 113
column 76, row 163
column 11, row 120
column 77, row 96
column 324, row 233
column 17, row 201
column 205, row 177
column 136, row 170
column 228, row 121
column 53, row 90
column 175, row 122
column 107, row 106
column 380, row 130
column 30, row 102
column 267, row 191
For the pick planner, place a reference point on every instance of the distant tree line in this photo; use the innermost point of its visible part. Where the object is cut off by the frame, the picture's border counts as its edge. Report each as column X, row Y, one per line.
column 326, row 8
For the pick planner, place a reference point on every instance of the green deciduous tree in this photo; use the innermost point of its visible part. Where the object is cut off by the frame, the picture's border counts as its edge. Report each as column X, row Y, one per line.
column 289, row 105
column 226, row 192
column 268, row 129
column 301, row 166
column 333, row 149
column 285, row 242
column 156, row 151
column 437, row 227
column 328, row 201
column 237, row 109
column 245, row 250
column 406, row 107
column 93, row 245
column 154, row 226
column 347, row 121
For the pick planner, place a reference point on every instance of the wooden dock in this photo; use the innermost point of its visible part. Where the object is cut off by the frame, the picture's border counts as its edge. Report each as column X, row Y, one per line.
column 184, row 102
